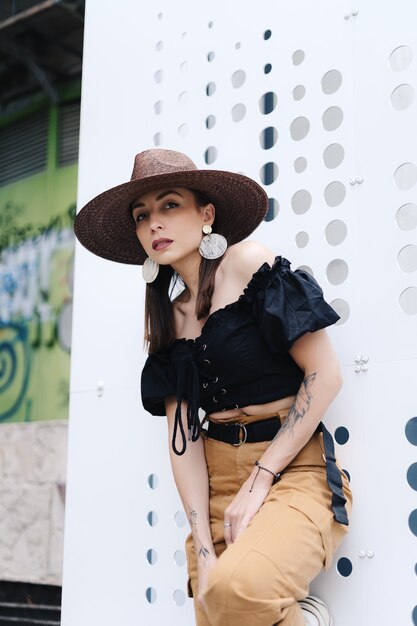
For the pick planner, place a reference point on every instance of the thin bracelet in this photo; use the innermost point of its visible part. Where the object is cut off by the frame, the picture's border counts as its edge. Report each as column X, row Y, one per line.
column 259, row 466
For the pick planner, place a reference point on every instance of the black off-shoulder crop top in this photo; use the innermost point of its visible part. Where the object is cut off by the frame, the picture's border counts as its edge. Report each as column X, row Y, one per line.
column 242, row 355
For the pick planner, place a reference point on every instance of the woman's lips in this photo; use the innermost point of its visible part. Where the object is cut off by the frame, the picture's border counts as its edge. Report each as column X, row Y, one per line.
column 161, row 245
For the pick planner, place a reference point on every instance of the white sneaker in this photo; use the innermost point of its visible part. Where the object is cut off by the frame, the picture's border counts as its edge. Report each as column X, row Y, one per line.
column 315, row 606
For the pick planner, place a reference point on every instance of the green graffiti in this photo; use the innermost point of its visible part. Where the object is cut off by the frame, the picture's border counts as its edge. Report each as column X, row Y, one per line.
column 12, row 235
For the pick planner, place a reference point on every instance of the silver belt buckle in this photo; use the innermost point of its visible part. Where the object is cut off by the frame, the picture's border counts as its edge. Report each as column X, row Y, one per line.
column 245, row 434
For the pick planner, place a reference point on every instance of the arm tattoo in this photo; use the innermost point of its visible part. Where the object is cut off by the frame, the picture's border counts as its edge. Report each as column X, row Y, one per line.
column 203, row 552
column 299, row 408
column 200, row 549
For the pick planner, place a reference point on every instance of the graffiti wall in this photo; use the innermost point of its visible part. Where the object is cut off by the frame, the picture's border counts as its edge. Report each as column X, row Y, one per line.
column 36, row 277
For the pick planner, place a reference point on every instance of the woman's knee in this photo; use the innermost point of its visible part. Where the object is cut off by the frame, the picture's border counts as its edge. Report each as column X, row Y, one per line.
column 247, row 587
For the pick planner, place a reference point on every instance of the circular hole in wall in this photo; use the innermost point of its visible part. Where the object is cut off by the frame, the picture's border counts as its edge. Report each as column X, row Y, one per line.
column 408, row 301
column 341, row 435
column 335, row 232
column 153, row 481
column 306, row 268
column 160, row 16
column 332, row 118
column 268, row 137
column 152, row 518
column 402, row 97
column 298, row 57
column 180, row 519
column 238, row 45
column 405, row 176
column 151, row 556
column 210, row 24
column 301, row 201
column 337, row 271
column 267, row 68
column 333, row 155
column 210, row 155
column 414, row 616
column 412, row 522
column 273, row 209
column 150, row 595
column 179, row 597
column 331, row 81
column 299, row 128
column 412, row 476
column 157, row 139
column 302, row 239
column 411, row 431
column 267, row 34
column 210, row 56
column 210, row 88
column 157, row 107
column 183, row 130
column 300, row 164
column 183, row 66
column 299, row 92
column 238, row 78
column 344, row 566
column 335, row 193
column 183, row 35
column 269, row 173
column 407, row 258
column 268, row 102
column 179, row 558
column 159, row 45
column 347, row 474
column 238, row 112
column 406, row 216
column 210, row 121
column 158, row 76
column 400, row 58
column 183, row 98
column 342, row 309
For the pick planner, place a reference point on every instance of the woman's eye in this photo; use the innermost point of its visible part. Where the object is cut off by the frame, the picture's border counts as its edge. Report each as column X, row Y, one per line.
column 171, row 204
column 139, row 217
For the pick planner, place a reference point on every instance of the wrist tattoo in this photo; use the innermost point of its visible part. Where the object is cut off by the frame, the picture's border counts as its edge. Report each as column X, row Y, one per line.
column 201, row 550
column 300, row 406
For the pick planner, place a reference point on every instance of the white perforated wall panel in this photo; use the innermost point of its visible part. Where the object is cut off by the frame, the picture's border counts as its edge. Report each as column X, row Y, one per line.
column 317, row 102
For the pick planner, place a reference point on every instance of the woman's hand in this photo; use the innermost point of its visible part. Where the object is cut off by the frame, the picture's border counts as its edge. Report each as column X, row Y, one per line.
column 204, row 567
column 246, row 504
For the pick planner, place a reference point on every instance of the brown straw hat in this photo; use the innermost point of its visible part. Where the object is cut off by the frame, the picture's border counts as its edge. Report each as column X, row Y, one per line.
column 105, row 225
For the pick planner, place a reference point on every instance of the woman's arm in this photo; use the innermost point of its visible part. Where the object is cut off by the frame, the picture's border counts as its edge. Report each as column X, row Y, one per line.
column 314, row 353
column 191, row 478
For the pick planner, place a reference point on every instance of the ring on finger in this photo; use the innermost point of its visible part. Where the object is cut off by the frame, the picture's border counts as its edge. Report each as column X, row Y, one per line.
column 226, row 524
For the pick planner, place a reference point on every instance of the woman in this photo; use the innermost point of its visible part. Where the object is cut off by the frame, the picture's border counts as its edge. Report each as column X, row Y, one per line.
column 245, row 342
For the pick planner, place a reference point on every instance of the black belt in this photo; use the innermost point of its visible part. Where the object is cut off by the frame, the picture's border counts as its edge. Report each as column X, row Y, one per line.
column 236, row 433
column 265, row 430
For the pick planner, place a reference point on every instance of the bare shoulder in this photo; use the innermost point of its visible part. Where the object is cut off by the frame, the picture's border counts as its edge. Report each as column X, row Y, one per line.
column 245, row 258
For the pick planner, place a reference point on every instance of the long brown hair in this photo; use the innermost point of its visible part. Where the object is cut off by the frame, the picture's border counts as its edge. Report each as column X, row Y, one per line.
column 159, row 315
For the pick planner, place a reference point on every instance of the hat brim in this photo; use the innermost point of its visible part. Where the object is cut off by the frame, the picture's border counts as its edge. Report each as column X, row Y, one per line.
column 105, row 225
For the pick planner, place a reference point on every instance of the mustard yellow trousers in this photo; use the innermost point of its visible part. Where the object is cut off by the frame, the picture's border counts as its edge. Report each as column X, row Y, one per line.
column 258, row 579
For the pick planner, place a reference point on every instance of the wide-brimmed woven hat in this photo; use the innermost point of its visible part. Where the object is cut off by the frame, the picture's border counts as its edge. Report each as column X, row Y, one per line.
column 105, row 225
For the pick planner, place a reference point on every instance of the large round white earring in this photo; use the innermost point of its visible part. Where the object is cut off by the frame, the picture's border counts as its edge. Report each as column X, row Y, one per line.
column 213, row 245
column 150, row 269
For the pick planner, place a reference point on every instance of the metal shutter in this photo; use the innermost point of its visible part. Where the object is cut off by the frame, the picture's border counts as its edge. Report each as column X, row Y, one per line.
column 24, row 147
column 68, row 133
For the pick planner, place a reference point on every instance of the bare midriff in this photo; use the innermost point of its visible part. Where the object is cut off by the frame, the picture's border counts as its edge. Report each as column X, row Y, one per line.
column 254, row 409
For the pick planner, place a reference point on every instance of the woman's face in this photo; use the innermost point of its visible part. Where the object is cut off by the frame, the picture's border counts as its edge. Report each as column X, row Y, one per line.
column 169, row 223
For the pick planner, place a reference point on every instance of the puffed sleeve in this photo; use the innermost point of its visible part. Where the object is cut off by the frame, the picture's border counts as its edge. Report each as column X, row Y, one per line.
column 158, row 381
column 173, row 371
column 286, row 304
